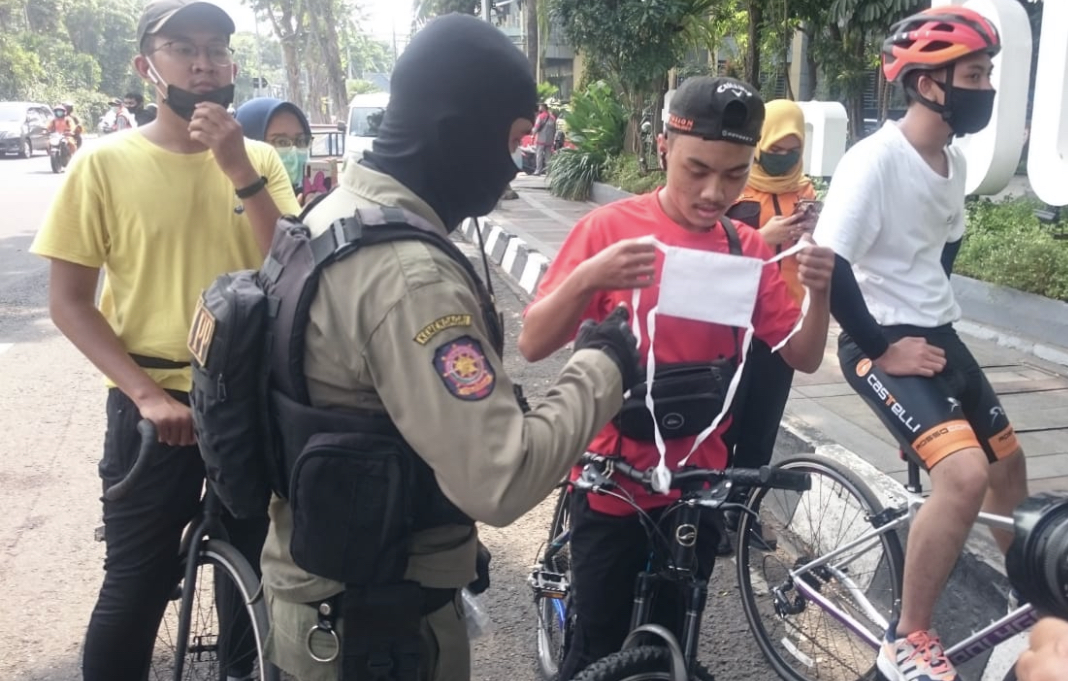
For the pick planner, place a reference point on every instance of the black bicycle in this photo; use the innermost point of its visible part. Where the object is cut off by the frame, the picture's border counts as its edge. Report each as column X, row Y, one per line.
column 650, row 652
column 216, row 624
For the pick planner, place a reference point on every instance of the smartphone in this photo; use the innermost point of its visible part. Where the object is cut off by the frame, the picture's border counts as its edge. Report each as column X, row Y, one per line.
column 811, row 207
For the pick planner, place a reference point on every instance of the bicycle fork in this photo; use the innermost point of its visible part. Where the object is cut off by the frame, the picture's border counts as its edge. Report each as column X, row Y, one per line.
column 695, row 595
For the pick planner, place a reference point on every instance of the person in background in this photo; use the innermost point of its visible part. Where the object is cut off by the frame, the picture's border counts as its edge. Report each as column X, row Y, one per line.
column 544, row 138
column 117, row 118
column 285, row 127
column 134, row 103
column 776, row 202
column 76, row 123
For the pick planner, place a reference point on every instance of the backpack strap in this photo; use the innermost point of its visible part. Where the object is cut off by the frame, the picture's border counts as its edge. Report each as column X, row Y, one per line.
column 366, row 227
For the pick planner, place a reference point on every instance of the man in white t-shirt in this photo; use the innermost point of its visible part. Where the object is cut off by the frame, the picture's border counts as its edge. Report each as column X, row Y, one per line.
column 894, row 216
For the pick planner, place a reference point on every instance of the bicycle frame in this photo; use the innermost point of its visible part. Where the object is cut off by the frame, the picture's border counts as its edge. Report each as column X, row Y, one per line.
column 889, row 521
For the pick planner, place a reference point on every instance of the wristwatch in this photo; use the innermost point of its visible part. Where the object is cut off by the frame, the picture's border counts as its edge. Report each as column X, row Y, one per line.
column 252, row 189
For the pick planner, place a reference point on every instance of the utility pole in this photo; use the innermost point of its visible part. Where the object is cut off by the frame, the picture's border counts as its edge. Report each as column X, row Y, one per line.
column 259, row 57
column 486, row 10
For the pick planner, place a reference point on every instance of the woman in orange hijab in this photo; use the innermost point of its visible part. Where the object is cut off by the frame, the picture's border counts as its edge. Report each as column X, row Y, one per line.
column 774, row 202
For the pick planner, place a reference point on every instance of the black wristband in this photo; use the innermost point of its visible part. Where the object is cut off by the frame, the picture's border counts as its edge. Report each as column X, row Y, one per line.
column 252, row 189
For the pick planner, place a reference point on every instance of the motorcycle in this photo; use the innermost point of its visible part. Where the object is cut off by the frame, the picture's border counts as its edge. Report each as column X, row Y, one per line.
column 60, row 150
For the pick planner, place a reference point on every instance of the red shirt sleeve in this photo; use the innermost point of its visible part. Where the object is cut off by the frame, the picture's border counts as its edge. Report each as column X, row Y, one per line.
column 582, row 243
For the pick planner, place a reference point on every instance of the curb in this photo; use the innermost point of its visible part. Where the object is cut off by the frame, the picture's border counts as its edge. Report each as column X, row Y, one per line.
column 977, row 587
column 524, row 264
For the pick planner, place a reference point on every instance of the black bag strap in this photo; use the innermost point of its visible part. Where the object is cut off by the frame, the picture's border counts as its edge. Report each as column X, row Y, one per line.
column 365, row 227
column 734, row 247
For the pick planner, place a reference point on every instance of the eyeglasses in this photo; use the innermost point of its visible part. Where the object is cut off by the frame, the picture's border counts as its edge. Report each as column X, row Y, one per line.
column 301, row 142
column 187, row 53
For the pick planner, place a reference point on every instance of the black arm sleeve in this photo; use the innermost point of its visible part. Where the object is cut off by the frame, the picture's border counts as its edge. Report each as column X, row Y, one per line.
column 949, row 255
column 849, row 309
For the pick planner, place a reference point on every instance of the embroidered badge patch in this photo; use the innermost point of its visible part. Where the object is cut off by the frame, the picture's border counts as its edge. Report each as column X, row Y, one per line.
column 201, row 332
column 440, row 324
column 464, row 369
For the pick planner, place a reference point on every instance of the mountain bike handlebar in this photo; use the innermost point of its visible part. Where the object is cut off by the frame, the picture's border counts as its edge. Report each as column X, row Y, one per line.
column 149, row 439
column 598, row 470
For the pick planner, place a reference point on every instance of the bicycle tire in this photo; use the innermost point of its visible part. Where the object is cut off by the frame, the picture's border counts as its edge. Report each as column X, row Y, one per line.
column 642, row 663
column 226, row 562
column 792, row 658
column 552, row 648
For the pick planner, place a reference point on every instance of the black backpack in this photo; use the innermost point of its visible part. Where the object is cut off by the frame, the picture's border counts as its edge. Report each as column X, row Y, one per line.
column 237, row 360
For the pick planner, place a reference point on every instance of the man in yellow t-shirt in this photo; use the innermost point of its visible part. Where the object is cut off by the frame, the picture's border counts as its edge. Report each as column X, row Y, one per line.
column 163, row 209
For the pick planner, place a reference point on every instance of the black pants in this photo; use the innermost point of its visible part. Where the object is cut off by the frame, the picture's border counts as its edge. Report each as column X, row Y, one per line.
column 142, row 534
column 607, row 553
column 756, row 424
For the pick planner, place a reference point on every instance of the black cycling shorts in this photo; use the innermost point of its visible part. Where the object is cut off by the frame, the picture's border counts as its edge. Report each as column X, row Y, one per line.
column 932, row 417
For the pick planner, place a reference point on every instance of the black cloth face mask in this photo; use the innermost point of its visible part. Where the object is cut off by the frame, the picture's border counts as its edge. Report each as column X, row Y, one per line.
column 965, row 110
column 455, row 93
column 184, row 102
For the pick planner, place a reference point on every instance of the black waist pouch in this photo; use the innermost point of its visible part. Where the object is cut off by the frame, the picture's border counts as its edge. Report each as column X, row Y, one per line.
column 686, row 398
column 351, row 495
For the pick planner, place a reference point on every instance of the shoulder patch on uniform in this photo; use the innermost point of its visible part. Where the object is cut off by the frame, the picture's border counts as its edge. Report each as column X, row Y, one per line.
column 435, row 327
column 464, row 369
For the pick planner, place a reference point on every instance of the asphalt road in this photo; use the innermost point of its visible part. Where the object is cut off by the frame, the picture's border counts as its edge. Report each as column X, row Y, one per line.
column 52, row 425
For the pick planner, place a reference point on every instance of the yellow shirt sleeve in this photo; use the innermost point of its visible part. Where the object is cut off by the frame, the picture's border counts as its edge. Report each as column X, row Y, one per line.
column 74, row 228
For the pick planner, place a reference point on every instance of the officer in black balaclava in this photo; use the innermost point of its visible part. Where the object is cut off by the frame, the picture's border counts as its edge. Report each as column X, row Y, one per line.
column 405, row 330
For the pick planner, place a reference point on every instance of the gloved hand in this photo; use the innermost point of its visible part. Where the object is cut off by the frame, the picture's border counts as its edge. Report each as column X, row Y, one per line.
column 614, row 338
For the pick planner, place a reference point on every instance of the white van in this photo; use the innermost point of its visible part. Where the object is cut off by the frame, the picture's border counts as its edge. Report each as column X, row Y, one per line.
column 365, row 115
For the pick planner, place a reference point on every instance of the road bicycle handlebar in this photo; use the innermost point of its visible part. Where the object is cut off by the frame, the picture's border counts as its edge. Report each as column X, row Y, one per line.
column 149, row 440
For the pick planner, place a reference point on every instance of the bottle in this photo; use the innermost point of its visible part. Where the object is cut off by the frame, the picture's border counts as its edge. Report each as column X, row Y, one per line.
column 476, row 616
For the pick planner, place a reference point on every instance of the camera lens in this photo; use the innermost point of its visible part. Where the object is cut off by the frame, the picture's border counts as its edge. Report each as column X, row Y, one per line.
column 1037, row 561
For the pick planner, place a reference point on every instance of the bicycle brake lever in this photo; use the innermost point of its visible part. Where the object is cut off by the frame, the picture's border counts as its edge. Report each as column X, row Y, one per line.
column 592, row 479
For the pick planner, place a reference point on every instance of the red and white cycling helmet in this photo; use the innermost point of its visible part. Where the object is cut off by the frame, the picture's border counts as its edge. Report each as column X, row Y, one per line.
column 937, row 37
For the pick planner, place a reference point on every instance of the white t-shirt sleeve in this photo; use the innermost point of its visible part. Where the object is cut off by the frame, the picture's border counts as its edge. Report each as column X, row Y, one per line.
column 851, row 216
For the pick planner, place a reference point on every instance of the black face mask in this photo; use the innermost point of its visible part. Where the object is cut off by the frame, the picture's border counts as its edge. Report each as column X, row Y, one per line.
column 184, row 102
column 967, row 111
column 454, row 153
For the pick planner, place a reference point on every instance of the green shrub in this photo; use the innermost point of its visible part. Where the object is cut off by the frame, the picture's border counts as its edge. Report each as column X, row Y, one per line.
column 1005, row 244
column 595, row 122
column 623, row 172
column 572, row 172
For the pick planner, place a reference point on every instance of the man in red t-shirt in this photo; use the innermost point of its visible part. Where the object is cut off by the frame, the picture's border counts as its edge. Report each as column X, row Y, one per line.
column 712, row 132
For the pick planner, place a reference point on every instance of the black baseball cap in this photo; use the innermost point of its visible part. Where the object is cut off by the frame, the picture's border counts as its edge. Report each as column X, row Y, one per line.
column 717, row 109
column 158, row 12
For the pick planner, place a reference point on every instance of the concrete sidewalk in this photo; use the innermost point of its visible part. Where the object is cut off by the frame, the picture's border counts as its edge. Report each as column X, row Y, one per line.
column 824, row 414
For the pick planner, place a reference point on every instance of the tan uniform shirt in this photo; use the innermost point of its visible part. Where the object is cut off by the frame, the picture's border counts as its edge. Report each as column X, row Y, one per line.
column 398, row 327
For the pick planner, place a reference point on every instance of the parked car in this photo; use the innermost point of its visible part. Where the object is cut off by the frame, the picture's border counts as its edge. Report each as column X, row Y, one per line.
column 365, row 115
column 24, row 128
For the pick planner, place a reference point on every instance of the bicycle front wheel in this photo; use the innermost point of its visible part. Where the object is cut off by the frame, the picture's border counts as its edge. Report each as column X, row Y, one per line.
column 228, row 623
column 860, row 588
column 644, row 663
column 552, row 590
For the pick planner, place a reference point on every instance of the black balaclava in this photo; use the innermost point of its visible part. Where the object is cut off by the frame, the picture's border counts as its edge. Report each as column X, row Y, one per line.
column 455, row 92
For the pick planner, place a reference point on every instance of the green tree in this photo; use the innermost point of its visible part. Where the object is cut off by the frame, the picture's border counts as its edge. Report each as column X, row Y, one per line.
column 636, row 41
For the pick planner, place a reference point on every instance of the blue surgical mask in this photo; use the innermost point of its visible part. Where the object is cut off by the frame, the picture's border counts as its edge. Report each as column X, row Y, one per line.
column 294, row 160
